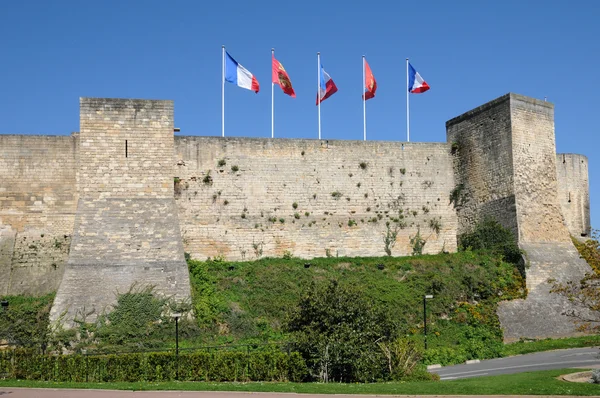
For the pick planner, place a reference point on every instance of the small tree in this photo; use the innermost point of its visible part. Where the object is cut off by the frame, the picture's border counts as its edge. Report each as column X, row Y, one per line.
column 337, row 330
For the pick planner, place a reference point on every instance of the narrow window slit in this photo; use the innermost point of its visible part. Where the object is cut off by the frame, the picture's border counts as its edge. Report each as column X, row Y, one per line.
column 125, row 148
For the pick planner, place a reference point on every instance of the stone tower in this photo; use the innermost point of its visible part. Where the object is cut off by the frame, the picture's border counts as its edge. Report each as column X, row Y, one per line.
column 126, row 226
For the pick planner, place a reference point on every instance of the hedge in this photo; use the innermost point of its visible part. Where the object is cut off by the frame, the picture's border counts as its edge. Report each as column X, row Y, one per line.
column 159, row 366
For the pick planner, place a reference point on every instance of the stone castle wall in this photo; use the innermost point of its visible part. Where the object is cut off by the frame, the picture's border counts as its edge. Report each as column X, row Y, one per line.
column 484, row 167
column 120, row 202
column 38, row 198
column 246, row 198
column 574, row 193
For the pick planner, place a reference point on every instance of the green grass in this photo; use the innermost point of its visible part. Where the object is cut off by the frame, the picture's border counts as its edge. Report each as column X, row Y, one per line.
column 530, row 383
column 526, row 347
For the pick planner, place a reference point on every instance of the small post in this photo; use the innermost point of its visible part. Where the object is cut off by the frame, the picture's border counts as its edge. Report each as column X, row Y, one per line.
column 176, row 316
column 427, row 296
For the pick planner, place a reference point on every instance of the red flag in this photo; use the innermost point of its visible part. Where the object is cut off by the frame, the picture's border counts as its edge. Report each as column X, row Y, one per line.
column 370, row 83
column 280, row 76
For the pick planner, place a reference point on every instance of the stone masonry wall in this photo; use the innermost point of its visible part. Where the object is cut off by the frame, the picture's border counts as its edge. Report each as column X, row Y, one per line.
column 573, row 192
column 126, row 229
column 244, row 198
column 37, row 209
column 484, row 171
column 534, row 161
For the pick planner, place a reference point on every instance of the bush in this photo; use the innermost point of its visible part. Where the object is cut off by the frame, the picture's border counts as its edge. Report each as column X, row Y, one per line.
column 267, row 365
column 490, row 236
column 335, row 328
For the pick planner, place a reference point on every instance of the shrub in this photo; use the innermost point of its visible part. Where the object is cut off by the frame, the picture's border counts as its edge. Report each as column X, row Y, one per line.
column 295, row 205
column 363, row 165
column 335, row 328
column 490, row 236
column 221, row 162
column 235, row 168
column 264, row 365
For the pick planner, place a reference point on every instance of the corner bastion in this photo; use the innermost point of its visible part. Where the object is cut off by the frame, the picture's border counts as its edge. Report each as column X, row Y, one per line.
column 120, row 202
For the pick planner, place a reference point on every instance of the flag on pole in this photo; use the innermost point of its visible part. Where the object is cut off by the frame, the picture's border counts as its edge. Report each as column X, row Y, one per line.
column 326, row 86
column 416, row 84
column 281, row 77
column 237, row 74
column 370, row 83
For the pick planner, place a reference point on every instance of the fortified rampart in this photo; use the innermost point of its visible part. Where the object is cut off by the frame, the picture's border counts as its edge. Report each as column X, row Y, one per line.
column 119, row 202
column 242, row 198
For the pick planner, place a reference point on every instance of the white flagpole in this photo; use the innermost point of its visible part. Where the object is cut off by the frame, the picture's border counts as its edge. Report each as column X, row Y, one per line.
column 364, row 102
column 223, row 95
column 407, row 106
column 319, row 89
column 272, row 97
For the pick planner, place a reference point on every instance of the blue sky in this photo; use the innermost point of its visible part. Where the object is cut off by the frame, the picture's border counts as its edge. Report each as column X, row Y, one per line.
column 469, row 51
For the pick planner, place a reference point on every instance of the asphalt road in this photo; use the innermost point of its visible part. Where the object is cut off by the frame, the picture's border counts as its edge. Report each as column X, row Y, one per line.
column 571, row 358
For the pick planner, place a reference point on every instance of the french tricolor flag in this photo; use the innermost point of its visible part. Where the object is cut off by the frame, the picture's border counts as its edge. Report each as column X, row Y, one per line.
column 326, row 86
column 416, row 84
column 237, row 74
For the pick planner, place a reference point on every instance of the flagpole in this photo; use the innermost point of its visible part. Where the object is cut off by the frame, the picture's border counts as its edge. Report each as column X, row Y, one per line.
column 223, row 95
column 272, row 97
column 407, row 106
column 319, row 89
column 364, row 102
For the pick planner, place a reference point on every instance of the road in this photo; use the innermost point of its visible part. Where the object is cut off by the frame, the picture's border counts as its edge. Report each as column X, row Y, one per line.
column 571, row 358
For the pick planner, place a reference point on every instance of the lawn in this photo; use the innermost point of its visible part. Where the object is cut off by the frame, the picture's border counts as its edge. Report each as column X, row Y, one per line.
column 529, row 383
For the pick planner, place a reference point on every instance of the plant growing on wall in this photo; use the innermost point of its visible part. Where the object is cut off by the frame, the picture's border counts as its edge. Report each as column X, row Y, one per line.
column 258, row 248
column 458, row 196
column 295, row 205
column 436, row 225
column 221, row 162
column 363, row 165
column 389, row 238
column 235, row 168
column 417, row 242
column 207, row 178
column 336, row 195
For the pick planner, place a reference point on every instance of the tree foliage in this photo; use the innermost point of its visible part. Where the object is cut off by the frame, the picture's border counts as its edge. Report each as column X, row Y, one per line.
column 338, row 331
column 490, row 236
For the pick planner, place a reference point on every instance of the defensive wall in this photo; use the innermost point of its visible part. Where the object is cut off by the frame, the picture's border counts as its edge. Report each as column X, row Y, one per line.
column 119, row 202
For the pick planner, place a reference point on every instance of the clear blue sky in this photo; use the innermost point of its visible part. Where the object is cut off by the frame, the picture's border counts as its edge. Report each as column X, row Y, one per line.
column 469, row 51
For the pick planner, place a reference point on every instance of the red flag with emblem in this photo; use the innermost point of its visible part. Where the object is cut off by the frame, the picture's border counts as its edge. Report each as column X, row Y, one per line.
column 370, row 83
column 280, row 77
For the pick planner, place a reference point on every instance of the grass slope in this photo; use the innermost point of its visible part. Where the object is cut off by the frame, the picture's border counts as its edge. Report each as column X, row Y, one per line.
column 530, row 383
column 248, row 301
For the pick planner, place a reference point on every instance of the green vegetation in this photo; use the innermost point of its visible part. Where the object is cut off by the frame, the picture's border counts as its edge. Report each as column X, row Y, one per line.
column 221, row 162
column 531, row 383
column 270, row 364
column 235, row 168
column 370, row 324
column 529, row 346
column 26, row 322
column 490, row 236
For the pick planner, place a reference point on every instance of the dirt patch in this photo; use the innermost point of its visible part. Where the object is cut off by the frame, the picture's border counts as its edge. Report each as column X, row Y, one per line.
column 579, row 377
